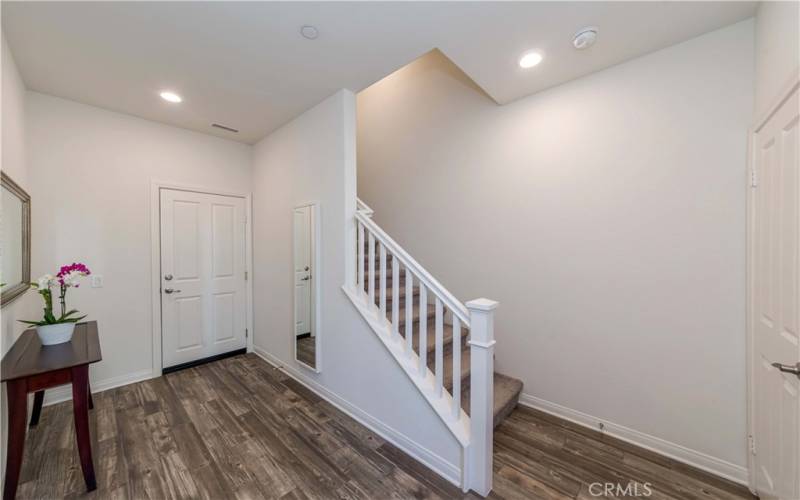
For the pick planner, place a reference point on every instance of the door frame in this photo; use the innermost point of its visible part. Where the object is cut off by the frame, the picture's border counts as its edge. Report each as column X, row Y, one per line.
column 155, row 260
column 762, row 119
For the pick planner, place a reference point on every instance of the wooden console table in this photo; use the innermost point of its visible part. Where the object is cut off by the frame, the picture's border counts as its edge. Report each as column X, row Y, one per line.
column 31, row 367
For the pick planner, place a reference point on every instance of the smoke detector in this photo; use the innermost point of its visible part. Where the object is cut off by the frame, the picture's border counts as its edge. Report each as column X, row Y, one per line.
column 310, row 32
column 585, row 38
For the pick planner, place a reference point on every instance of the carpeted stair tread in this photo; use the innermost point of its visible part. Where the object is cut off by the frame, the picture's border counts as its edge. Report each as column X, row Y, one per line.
column 415, row 317
column 448, row 371
column 389, row 276
column 390, row 296
column 506, row 397
column 389, row 258
column 447, row 337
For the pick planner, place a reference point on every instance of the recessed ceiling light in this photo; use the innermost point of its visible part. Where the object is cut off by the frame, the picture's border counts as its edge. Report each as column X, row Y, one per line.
column 585, row 38
column 309, row 32
column 171, row 96
column 530, row 59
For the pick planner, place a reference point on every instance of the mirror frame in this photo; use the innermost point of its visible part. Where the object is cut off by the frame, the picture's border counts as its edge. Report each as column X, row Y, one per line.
column 316, row 259
column 13, row 292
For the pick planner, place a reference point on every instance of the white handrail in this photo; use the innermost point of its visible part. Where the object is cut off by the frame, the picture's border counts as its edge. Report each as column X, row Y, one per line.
column 363, row 208
column 419, row 272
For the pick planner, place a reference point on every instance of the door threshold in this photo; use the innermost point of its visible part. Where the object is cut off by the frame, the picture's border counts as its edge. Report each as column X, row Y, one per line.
column 202, row 361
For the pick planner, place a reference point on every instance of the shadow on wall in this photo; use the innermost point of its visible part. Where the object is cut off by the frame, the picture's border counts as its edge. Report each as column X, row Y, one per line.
column 436, row 61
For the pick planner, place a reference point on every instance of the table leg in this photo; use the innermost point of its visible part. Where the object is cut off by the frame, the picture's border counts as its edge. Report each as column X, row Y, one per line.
column 38, row 399
column 80, row 399
column 91, row 401
column 17, row 415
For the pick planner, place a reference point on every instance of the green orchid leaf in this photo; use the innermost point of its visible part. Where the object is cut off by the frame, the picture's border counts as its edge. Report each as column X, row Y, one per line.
column 68, row 314
column 73, row 320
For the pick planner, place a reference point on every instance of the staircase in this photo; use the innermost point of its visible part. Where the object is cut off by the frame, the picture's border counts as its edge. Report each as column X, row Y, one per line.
column 506, row 389
column 446, row 348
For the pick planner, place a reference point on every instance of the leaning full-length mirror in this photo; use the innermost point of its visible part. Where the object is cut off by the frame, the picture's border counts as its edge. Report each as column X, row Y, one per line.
column 306, row 286
column 15, row 240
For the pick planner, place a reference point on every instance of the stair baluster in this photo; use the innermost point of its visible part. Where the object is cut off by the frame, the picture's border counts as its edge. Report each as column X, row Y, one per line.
column 409, row 313
column 456, row 368
column 439, row 343
column 371, row 280
column 395, row 296
column 423, row 330
column 382, row 253
column 361, row 261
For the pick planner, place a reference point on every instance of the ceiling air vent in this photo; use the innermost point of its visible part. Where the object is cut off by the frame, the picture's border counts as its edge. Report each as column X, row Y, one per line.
column 223, row 127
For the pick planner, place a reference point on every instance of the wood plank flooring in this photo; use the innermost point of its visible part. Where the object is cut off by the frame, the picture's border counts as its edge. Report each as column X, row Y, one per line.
column 306, row 350
column 239, row 428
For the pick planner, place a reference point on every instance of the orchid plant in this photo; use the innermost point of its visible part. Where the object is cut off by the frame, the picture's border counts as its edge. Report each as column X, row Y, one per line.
column 66, row 278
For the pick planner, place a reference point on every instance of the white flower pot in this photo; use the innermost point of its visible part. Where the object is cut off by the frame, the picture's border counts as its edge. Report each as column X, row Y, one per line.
column 55, row 334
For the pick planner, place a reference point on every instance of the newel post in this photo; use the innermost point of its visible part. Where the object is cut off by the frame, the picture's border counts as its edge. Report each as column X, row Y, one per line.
column 479, row 454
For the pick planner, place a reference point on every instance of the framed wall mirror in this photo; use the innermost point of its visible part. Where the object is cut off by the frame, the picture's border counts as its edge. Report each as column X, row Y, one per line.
column 306, row 245
column 15, row 240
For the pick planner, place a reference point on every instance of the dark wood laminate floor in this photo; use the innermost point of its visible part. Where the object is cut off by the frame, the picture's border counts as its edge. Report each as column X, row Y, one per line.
column 238, row 428
column 307, row 350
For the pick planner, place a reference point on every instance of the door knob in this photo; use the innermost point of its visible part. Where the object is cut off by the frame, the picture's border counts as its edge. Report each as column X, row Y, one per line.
column 171, row 290
column 788, row 368
column 168, row 277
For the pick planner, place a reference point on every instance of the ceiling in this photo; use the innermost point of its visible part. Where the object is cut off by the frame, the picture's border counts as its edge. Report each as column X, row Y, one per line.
column 245, row 65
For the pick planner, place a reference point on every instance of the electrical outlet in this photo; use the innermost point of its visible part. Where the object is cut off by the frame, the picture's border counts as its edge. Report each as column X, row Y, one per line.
column 97, row 281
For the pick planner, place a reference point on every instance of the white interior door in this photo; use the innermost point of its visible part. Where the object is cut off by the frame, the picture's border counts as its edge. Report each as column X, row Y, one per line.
column 774, row 304
column 303, row 274
column 202, row 275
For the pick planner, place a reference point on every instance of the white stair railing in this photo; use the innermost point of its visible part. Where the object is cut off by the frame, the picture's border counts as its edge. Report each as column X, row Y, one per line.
column 363, row 208
column 475, row 433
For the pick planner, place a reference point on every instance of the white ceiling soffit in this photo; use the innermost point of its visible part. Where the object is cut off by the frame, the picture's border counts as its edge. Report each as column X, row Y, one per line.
column 245, row 64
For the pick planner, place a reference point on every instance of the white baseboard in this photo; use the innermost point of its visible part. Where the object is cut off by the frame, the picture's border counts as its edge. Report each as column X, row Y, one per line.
column 418, row 452
column 64, row 392
column 713, row 465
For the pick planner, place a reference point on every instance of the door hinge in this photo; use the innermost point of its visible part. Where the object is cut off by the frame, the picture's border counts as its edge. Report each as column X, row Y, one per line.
column 245, row 275
column 753, row 177
column 246, row 333
column 751, row 441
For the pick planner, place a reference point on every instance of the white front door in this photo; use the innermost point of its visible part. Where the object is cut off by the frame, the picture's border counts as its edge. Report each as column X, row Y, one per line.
column 775, row 303
column 202, row 275
column 302, row 270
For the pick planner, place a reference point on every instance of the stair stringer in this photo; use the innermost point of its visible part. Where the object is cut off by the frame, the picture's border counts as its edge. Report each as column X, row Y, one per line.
column 409, row 362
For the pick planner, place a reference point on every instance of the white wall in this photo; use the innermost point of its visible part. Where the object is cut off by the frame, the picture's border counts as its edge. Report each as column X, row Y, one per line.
column 312, row 159
column 15, row 165
column 90, row 173
column 606, row 216
column 777, row 45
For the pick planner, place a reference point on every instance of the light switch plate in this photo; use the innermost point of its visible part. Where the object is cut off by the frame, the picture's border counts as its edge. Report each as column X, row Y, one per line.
column 97, row 281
